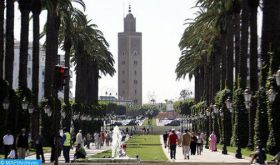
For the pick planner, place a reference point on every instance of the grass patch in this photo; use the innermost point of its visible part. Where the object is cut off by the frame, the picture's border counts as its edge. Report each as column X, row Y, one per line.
column 244, row 151
column 148, row 147
column 151, row 122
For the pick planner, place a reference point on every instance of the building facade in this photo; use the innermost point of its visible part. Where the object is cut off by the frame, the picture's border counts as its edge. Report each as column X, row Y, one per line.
column 60, row 60
column 130, row 61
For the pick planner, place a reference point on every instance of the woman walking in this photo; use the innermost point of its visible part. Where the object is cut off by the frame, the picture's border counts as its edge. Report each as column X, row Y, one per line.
column 193, row 144
column 213, row 141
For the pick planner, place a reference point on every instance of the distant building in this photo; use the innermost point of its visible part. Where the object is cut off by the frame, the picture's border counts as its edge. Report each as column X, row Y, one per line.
column 130, row 62
column 60, row 60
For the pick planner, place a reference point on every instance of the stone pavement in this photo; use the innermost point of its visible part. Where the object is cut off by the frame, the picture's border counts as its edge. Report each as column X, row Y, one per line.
column 90, row 152
column 205, row 157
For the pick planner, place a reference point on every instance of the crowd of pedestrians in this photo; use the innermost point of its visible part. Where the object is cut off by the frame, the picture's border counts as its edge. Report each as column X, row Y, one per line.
column 18, row 147
column 190, row 142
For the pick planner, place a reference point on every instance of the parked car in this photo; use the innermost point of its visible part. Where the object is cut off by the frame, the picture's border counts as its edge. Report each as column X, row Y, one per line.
column 173, row 123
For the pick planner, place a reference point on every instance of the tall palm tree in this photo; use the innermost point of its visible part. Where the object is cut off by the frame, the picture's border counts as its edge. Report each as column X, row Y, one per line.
column 2, row 7
column 9, row 56
column 253, row 6
column 236, row 24
column 244, row 44
column 24, row 7
column 52, row 27
column 36, row 10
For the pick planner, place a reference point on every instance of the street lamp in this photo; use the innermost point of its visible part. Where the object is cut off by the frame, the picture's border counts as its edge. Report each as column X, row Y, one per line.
column 24, row 103
column 30, row 108
column 229, row 104
column 47, row 110
column 247, row 96
column 277, row 77
column 6, row 104
column 223, row 115
column 271, row 95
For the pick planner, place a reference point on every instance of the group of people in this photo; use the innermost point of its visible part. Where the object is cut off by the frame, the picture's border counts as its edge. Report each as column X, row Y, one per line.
column 20, row 144
column 191, row 143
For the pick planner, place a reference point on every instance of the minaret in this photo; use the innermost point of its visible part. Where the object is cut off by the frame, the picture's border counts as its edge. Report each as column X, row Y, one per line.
column 130, row 61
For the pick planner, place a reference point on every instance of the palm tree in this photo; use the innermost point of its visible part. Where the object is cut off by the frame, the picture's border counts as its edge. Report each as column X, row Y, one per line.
column 9, row 56
column 253, row 6
column 2, row 7
column 24, row 7
column 52, row 27
column 36, row 10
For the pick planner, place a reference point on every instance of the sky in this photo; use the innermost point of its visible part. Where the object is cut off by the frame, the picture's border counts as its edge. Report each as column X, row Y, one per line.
column 162, row 24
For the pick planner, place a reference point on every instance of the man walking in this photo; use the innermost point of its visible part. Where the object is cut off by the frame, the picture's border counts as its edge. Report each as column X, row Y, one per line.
column 66, row 145
column 8, row 141
column 22, row 144
column 79, row 138
column 165, row 136
column 172, row 144
column 186, row 144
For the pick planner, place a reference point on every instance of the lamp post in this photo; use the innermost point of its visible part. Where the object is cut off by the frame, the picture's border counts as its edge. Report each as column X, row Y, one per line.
column 47, row 110
column 207, row 127
column 30, row 108
column 247, row 96
column 271, row 95
column 277, row 77
column 6, row 105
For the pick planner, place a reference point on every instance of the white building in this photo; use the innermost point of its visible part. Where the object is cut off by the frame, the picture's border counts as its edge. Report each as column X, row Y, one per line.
column 41, row 70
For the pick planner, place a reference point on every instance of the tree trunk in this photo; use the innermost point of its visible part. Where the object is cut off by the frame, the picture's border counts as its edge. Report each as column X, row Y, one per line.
column 9, row 58
column 253, row 4
column 67, row 46
column 223, row 60
column 236, row 24
column 53, row 23
column 196, row 86
column 2, row 8
column 23, row 48
column 244, row 45
column 229, row 66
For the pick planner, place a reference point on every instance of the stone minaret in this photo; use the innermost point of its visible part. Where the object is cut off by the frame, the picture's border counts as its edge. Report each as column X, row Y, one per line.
column 130, row 61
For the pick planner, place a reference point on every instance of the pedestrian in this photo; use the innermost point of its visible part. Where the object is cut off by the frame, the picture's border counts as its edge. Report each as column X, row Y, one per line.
column 213, row 141
column 22, row 144
column 96, row 140
column 79, row 153
column 193, row 144
column 173, row 139
column 258, row 156
column 198, row 144
column 12, row 154
column 202, row 135
column 186, row 141
column 8, row 141
column 165, row 136
column 39, row 148
column 79, row 138
column 179, row 137
column 66, row 145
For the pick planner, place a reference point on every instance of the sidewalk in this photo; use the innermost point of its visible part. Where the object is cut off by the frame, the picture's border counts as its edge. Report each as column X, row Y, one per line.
column 205, row 157
column 90, row 152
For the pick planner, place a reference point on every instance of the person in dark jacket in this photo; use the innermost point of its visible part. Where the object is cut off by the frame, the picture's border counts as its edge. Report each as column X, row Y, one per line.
column 193, row 144
column 165, row 137
column 22, row 144
column 39, row 148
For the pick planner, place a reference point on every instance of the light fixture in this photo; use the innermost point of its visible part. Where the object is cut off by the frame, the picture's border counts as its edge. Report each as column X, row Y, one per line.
column 49, row 113
column 63, row 115
column 216, row 110
column 228, row 103
column 271, row 95
column 247, row 104
column 6, row 104
column 221, row 113
column 247, row 95
column 277, row 77
column 24, row 103
column 47, row 109
column 30, row 108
